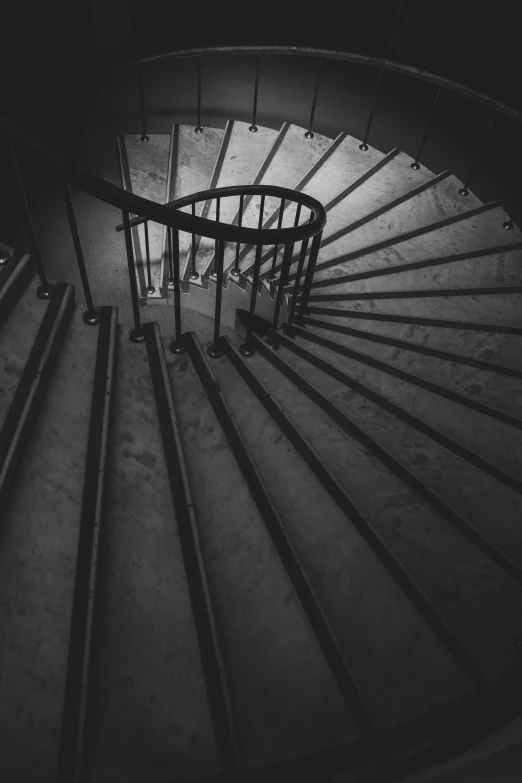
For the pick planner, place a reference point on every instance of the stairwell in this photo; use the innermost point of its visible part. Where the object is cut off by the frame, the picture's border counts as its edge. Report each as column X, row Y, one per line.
column 292, row 552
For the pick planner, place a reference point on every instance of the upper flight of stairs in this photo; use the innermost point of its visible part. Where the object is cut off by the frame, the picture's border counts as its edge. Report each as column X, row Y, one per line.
column 267, row 558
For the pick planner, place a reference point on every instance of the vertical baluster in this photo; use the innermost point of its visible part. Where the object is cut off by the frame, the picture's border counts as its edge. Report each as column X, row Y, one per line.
column 176, row 345
column 416, row 165
column 91, row 316
column 194, row 274
column 272, row 340
column 508, row 224
column 364, row 146
column 253, row 128
column 170, row 281
column 45, row 289
column 136, row 334
column 464, row 191
column 310, row 269
column 276, row 247
column 213, row 274
column 144, row 136
column 302, row 255
column 215, row 350
column 198, row 128
column 247, row 348
column 309, row 133
column 150, row 288
column 235, row 271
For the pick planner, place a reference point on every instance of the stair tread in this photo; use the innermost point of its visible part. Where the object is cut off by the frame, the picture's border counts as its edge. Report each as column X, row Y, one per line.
column 480, row 498
column 367, row 609
column 278, row 678
column 39, row 544
column 17, row 336
column 152, row 704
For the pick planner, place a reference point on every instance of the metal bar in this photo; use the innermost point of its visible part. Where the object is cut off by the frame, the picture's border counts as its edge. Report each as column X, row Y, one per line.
column 213, row 274
column 170, row 281
column 45, row 289
column 416, row 165
column 309, row 133
column 72, row 751
column 215, row 351
column 253, row 128
column 364, row 146
column 136, row 334
column 464, row 190
column 247, row 348
column 198, row 128
column 310, row 269
column 279, row 224
column 150, row 288
column 177, row 344
column 272, row 336
column 419, row 293
column 194, row 274
column 144, row 136
column 90, row 317
column 235, row 270
column 300, row 264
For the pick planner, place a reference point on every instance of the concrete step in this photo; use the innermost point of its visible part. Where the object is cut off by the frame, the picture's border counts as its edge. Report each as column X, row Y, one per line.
column 40, row 528
column 149, row 692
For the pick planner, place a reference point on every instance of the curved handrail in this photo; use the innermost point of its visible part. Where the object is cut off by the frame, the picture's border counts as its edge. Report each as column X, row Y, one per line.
column 164, row 214
column 252, row 235
column 352, row 57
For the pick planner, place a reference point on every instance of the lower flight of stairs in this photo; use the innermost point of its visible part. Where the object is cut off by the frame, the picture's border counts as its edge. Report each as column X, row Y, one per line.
column 272, row 556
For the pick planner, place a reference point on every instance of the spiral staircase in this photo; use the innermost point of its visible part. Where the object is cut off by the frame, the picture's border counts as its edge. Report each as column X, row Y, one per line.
column 306, row 560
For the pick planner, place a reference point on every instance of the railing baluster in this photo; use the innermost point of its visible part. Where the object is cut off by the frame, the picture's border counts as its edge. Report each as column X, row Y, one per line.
column 150, row 288
column 45, row 289
column 300, row 264
column 176, row 345
column 416, row 165
column 213, row 274
column 364, row 146
column 309, row 133
column 215, row 350
column 276, row 247
column 136, row 334
column 198, row 128
column 508, row 224
column 194, row 274
column 253, row 128
column 144, row 136
column 247, row 348
column 235, row 270
column 91, row 316
column 310, row 269
column 170, row 281
column 272, row 340
column 464, row 191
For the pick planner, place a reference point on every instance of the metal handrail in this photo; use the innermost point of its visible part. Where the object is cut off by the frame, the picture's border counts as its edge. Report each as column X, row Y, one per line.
column 351, row 57
column 169, row 214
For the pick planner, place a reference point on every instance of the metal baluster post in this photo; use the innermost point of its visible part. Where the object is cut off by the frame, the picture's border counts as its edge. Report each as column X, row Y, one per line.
column 194, row 274
column 309, row 133
column 508, row 224
column 302, row 255
column 170, row 281
column 144, row 136
column 198, row 128
column 235, row 270
column 213, row 274
column 136, row 335
column 150, row 288
column 215, row 350
column 364, row 146
column 247, row 348
column 310, row 269
column 253, row 128
column 464, row 191
column 276, row 247
column 416, row 165
column 45, row 289
column 272, row 340
column 176, row 345
column 91, row 316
